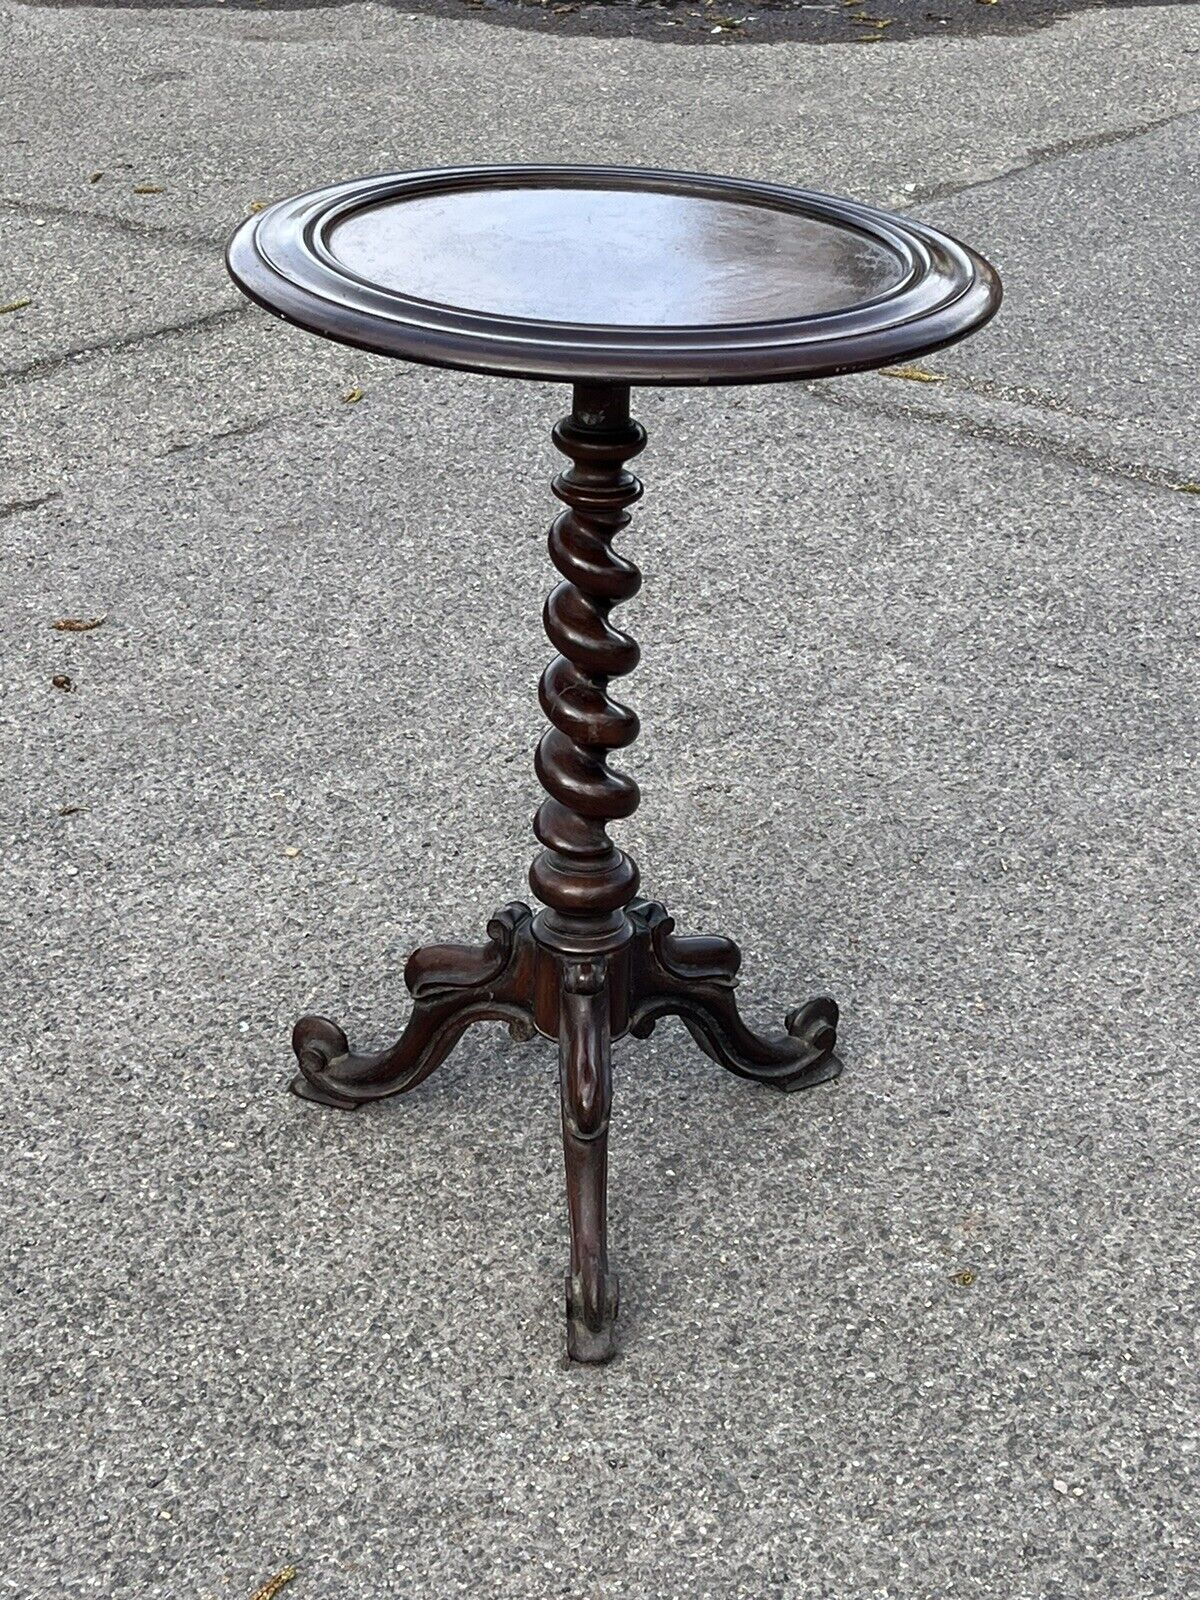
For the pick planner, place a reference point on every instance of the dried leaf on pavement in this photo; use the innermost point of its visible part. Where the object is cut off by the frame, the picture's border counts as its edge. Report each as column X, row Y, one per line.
column 914, row 374
column 78, row 624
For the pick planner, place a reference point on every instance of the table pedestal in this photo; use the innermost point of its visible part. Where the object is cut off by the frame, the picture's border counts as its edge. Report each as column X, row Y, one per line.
column 597, row 962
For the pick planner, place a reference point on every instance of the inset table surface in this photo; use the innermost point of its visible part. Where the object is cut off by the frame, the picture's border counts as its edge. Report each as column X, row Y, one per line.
column 585, row 273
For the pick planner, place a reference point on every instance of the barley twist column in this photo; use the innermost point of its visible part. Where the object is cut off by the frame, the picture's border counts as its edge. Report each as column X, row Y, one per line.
column 580, row 875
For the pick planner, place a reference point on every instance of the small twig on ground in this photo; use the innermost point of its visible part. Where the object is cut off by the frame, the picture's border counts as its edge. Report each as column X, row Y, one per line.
column 271, row 1588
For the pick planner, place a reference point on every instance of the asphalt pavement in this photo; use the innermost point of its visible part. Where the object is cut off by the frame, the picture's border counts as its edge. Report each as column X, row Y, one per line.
column 919, row 694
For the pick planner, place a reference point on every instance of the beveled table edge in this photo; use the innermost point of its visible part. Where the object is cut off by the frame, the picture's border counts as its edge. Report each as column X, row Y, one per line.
column 280, row 259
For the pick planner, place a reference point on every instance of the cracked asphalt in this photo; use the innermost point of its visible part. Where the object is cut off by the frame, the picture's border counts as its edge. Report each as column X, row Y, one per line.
column 919, row 694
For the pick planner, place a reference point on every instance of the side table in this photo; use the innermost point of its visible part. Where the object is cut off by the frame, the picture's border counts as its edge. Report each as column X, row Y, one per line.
column 603, row 278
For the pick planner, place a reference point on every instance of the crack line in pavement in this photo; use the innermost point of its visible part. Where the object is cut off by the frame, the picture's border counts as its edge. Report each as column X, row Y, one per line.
column 46, row 365
column 989, row 388
column 126, row 225
column 1014, row 438
column 1044, row 154
column 992, row 433
column 12, row 508
column 1027, row 395
column 242, row 431
column 1040, row 156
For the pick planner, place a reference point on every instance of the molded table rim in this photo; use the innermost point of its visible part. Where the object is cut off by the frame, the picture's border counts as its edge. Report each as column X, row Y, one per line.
column 282, row 259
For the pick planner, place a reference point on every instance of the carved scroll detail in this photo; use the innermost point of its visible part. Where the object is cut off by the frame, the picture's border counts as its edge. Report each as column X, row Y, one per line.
column 694, row 978
column 452, row 986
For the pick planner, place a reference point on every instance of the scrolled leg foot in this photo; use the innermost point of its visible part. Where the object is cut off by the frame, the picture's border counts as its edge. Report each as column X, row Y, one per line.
column 694, row 978
column 815, row 1026
column 452, row 986
column 591, row 1328
column 317, row 1041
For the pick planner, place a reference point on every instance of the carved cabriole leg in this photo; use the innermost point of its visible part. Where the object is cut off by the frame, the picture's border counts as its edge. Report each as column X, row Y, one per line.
column 694, row 978
column 452, row 985
column 585, row 1069
column 582, row 878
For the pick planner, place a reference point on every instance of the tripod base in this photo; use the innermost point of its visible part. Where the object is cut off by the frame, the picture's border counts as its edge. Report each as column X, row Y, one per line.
column 529, row 976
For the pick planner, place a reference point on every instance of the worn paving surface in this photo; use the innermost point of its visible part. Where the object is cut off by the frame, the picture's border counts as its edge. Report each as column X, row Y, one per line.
column 730, row 22
column 920, row 727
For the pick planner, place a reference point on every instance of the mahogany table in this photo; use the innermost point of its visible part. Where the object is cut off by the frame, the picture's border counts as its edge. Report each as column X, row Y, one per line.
column 603, row 278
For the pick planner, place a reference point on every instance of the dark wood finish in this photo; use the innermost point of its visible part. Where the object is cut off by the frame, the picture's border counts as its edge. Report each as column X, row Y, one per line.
column 585, row 1081
column 694, row 978
column 619, row 274
column 581, row 875
column 605, row 277
column 452, row 986
column 595, row 963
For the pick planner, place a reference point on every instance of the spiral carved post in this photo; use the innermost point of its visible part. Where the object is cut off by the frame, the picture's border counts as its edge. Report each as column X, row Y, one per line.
column 582, row 878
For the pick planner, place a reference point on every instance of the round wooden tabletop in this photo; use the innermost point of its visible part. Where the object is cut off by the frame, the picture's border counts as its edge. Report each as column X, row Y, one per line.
column 613, row 274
